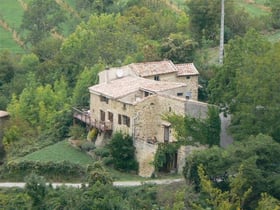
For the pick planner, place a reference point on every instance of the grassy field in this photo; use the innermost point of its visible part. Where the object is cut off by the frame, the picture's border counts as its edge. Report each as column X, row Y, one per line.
column 254, row 9
column 12, row 12
column 7, row 42
column 61, row 151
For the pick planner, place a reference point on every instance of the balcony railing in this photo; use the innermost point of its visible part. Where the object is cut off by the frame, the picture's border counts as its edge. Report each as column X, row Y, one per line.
column 84, row 116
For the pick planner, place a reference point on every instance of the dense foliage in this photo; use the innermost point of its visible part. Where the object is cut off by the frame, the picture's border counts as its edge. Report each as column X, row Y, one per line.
column 190, row 130
column 257, row 157
column 247, row 86
column 122, row 151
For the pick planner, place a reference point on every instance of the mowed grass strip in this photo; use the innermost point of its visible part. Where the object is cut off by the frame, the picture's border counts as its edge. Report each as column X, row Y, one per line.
column 7, row 42
column 61, row 151
column 12, row 12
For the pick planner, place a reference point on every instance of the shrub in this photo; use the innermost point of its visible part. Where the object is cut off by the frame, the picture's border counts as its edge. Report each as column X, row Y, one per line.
column 64, row 169
column 102, row 152
column 87, row 146
column 123, row 152
column 77, row 132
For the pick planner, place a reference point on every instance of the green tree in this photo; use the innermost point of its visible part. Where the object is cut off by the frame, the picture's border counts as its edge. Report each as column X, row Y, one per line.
column 220, row 200
column 87, row 7
column 8, row 69
column 97, row 173
column 36, row 188
column 40, row 18
column 87, row 78
column 275, row 10
column 178, row 48
column 260, row 167
column 205, row 18
column 246, row 85
column 190, row 130
column 268, row 202
column 123, row 152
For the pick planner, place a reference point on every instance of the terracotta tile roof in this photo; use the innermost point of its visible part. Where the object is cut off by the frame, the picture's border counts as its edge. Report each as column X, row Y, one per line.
column 124, row 86
column 3, row 114
column 158, row 86
column 153, row 68
column 186, row 69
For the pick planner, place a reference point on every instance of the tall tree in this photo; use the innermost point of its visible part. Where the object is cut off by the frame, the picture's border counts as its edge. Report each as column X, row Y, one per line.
column 87, row 78
column 275, row 10
column 205, row 18
column 247, row 86
column 258, row 158
column 40, row 18
column 190, row 130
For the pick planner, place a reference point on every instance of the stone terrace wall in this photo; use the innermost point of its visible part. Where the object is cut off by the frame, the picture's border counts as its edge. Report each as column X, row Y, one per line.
column 145, row 153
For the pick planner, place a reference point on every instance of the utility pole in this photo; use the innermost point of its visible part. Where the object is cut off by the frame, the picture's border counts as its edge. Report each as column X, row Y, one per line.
column 221, row 55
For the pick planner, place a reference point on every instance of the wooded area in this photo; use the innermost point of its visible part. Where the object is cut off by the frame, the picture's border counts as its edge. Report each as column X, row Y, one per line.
column 65, row 44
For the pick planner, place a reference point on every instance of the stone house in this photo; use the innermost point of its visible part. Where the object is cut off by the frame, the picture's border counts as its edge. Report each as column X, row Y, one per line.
column 133, row 99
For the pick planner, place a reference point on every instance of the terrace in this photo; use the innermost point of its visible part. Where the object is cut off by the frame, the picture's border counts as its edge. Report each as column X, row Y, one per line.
column 83, row 115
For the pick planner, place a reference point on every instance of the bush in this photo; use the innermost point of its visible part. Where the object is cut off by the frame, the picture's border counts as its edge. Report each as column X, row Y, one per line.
column 123, row 152
column 102, row 152
column 77, row 132
column 87, row 146
column 64, row 169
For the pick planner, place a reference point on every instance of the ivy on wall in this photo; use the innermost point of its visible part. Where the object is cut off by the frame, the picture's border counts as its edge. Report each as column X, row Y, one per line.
column 164, row 150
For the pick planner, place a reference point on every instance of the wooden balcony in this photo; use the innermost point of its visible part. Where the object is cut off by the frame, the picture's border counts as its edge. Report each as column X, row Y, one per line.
column 84, row 116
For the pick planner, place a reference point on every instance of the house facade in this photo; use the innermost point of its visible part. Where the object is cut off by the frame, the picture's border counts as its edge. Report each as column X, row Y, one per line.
column 134, row 98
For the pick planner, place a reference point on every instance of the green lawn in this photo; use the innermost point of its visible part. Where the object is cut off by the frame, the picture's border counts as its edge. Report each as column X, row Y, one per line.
column 61, row 151
column 12, row 12
column 257, row 9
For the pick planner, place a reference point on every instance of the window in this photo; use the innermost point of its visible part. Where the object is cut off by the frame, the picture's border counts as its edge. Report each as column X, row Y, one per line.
column 104, row 99
column 188, row 77
column 126, row 120
column 188, row 95
column 146, row 94
column 156, row 77
column 179, row 94
column 110, row 116
column 119, row 119
column 102, row 115
column 166, row 133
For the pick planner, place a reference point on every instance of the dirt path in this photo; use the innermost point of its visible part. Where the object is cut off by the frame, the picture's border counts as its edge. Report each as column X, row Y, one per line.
column 23, row 4
column 117, row 183
column 15, row 35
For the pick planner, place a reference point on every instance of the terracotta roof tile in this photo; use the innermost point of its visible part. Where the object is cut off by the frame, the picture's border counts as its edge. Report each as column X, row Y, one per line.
column 153, row 68
column 3, row 114
column 124, row 86
column 186, row 69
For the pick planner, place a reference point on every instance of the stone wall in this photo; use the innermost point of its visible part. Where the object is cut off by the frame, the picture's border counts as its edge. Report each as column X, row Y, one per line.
column 116, row 108
column 192, row 85
column 196, row 109
column 145, row 153
column 190, row 81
